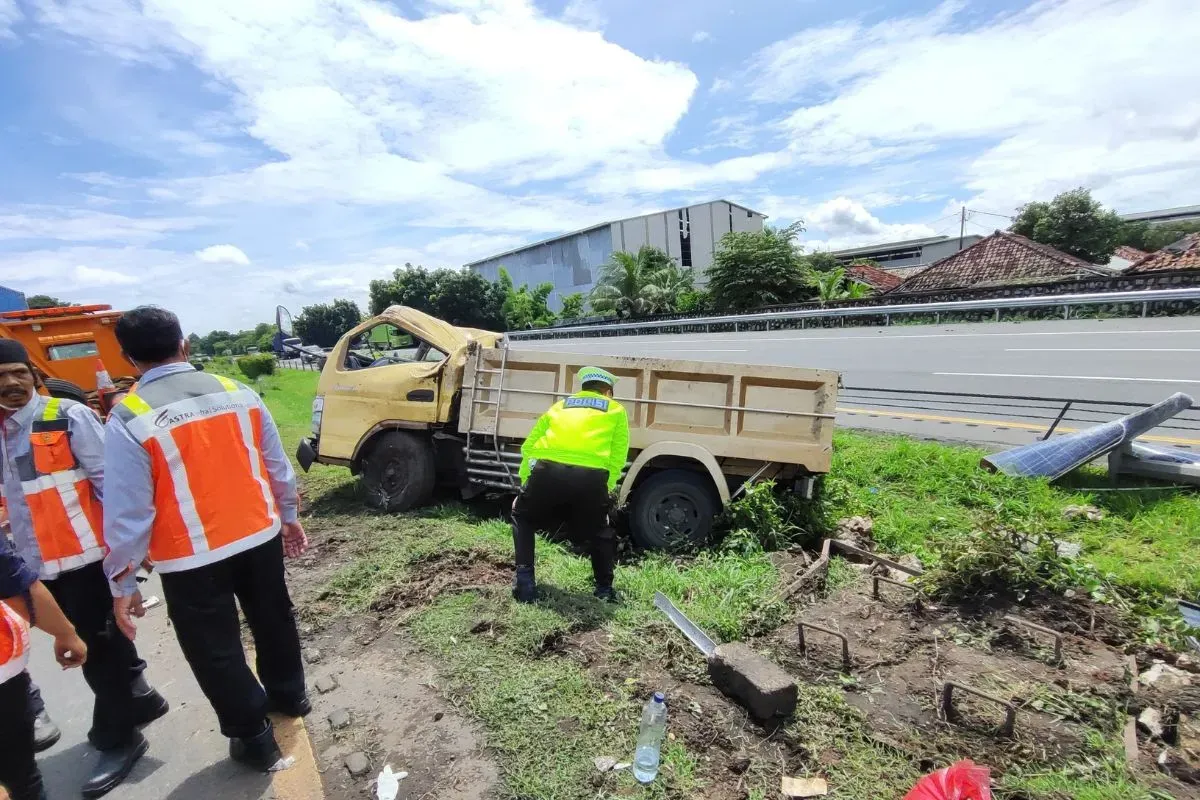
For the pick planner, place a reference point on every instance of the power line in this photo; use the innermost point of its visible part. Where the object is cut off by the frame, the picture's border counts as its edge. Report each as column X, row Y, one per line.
column 1008, row 217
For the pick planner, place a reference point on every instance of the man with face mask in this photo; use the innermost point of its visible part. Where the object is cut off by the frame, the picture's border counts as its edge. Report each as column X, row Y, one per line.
column 52, row 458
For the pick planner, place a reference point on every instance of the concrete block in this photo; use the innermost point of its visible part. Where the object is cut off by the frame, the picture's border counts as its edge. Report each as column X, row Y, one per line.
column 754, row 681
column 357, row 764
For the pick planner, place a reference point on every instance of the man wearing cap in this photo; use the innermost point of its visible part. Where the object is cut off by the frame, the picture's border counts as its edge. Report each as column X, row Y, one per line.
column 570, row 464
column 52, row 465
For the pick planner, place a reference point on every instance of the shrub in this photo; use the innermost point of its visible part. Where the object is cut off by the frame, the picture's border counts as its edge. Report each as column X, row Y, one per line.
column 762, row 518
column 256, row 365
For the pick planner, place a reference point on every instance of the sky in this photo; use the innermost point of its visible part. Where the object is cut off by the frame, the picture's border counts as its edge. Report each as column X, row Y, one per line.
column 221, row 157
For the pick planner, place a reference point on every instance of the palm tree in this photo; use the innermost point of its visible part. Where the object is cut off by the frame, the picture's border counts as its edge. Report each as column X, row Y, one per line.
column 629, row 285
column 832, row 286
column 857, row 290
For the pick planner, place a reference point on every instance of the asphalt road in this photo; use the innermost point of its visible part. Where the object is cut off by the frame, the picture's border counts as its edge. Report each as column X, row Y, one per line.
column 1123, row 360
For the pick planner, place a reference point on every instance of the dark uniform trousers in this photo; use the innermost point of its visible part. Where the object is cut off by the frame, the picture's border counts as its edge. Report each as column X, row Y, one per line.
column 202, row 608
column 113, row 666
column 18, row 769
column 577, row 497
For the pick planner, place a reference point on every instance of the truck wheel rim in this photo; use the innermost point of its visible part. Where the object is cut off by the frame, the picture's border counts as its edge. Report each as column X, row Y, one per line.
column 676, row 514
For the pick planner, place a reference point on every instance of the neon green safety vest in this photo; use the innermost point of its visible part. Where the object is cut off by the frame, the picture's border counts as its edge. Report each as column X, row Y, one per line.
column 585, row 430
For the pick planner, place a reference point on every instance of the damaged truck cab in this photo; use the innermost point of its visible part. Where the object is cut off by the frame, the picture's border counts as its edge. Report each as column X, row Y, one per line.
column 409, row 402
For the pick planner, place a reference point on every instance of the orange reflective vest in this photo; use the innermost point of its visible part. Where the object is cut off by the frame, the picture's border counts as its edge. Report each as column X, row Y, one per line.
column 14, row 643
column 66, row 513
column 212, row 491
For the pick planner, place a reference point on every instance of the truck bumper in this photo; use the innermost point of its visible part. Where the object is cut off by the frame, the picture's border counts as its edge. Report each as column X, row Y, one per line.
column 306, row 453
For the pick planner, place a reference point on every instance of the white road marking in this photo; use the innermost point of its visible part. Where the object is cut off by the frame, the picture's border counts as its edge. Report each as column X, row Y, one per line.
column 876, row 338
column 1064, row 377
column 1102, row 350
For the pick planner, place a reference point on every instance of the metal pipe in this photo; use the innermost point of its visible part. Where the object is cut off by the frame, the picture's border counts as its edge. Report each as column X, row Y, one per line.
column 1108, row 298
column 1058, row 419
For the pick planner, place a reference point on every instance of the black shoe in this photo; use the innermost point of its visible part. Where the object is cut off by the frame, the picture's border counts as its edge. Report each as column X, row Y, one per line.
column 148, row 704
column 45, row 733
column 524, row 586
column 259, row 752
column 290, row 706
column 114, row 766
column 608, row 594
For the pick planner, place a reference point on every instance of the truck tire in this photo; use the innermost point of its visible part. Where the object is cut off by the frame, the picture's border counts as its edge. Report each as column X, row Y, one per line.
column 65, row 389
column 398, row 471
column 673, row 509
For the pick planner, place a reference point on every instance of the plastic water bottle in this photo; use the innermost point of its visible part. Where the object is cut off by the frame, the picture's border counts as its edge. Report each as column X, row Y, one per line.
column 654, row 728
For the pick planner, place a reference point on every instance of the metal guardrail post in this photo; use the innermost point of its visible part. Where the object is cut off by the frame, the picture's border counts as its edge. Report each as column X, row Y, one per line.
column 1033, row 626
column 840, row 636
column 1010, row 711
column 877, row 579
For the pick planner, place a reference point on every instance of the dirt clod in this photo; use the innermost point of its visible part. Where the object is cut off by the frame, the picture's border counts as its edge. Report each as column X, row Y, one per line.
column 858, row 531
column 738, row 766
column 326, row 684
column 357, row 764
column 312, row 655
column 339, row 719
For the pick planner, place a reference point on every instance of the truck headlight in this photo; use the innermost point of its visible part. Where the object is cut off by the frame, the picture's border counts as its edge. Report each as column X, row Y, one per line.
column 317, row 409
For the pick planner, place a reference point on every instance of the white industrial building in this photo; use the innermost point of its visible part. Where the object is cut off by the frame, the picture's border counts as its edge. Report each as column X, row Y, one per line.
column 572, row 261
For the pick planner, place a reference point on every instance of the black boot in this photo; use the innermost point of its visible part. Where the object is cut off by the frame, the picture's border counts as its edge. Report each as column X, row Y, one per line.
column 259, row 752
column 45, row 733
column 148, row 704
column 524, row 586
column 604, row 558
column 114, row 766
column 294, row 707
column 608, row 594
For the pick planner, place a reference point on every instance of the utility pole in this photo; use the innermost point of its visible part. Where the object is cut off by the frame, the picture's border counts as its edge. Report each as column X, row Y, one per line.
column 962, row 226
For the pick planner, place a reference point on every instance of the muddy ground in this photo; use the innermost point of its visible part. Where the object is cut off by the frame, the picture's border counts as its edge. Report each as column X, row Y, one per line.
column 902, row 653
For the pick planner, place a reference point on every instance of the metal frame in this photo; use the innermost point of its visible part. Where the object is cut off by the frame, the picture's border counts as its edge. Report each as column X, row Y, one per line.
column 947, row 705
column 1033, row 626
column 803, row 645
column 1066, row 301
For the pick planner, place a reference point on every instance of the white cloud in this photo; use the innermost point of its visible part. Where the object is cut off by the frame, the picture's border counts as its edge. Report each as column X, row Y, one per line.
column 841, row 222
column 85, row 276
column 223, row 254
column 83, row 225
column 9, row 15
column 1066, row 92
column 585, row 14
column 701, row 36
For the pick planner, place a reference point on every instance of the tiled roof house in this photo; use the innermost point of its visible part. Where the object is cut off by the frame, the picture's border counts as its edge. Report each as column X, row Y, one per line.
column 1184, row 254
column 874, row 277
column 1002, row 259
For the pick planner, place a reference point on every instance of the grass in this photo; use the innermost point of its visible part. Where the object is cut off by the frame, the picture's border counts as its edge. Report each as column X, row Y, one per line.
column 548, row 716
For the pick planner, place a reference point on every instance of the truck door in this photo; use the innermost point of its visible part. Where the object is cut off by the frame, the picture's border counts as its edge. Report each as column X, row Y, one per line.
column 385, row 376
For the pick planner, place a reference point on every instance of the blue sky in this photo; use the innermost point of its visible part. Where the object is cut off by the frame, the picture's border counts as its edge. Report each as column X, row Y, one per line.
column 219, row 157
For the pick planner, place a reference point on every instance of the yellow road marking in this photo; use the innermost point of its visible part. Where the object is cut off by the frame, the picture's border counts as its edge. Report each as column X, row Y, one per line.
column 996, row 423
column 303, row 780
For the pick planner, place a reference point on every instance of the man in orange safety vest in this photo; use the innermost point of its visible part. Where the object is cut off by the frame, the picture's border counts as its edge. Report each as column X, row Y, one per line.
column 197, row 480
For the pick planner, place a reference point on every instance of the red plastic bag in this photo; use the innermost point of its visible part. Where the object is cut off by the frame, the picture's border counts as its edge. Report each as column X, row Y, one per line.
column 965, row 780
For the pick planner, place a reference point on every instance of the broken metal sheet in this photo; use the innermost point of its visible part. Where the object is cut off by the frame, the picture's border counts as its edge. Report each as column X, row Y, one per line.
column 689, row 629
column 1153, row 461
column 1056, row 457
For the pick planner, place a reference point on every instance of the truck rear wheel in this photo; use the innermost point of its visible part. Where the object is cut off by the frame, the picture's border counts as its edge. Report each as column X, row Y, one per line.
column 398, row 471
column 65, row 389
column 673, row 509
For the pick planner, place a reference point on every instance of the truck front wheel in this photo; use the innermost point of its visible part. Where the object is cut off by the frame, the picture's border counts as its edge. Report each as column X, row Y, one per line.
column 673, row 509
column 398, row 471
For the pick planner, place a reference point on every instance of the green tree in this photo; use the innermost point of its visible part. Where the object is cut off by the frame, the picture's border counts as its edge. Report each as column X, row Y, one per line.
column 524, row 308
column 834, row 285
column 822, row 261
column 45, row 301
column 761, row 268
column 674, row 282
column 1074, row 223
column 1150, row 238
column 630, row 285
column 696, row 301
column 572, row 306
column 458, row 296
column 324, row 323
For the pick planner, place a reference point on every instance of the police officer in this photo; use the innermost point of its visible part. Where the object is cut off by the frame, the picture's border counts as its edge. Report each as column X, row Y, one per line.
column 570, row 464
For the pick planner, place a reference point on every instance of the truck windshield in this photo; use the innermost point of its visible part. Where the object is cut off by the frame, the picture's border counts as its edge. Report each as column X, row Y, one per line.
column 386, row 344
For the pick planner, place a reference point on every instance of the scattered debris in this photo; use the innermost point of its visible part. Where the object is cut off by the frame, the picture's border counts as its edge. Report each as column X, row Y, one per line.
column 911, row 566
column 282, row 764
column 151, row 601
column 1188, row 663
column 312, row 655
column 1170, row 763
column 739, row 766
column 437, row 717
column 326, row 684
column 1090, row 513
column 387, row 785
column 804, row 787
column 339, row 719
column 1162, row 675
column 1132, row 752
column 858, row 531
column 1190, row 612
column 604, row 763
column 1151, row 723
column 357, row 764
column 1056, row 457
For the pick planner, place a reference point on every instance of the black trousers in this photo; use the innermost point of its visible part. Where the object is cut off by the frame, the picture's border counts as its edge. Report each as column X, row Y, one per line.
column 201, row 605
column 112, row 664
column 557, row 495
column 18, row 769
column 36, row 704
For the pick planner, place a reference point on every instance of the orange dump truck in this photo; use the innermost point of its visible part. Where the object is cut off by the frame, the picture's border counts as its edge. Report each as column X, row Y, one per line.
column 68, row 345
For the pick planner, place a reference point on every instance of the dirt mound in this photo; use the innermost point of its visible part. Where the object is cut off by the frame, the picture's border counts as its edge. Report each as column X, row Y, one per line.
column 445, row 572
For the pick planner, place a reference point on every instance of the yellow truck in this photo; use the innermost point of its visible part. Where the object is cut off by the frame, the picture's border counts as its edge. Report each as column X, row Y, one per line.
column 409, row 402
